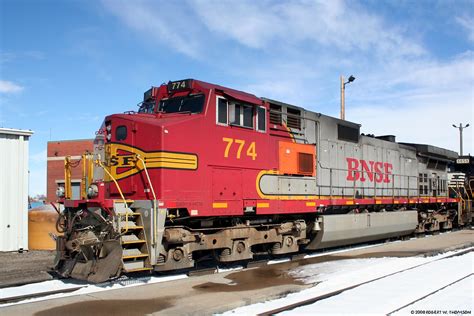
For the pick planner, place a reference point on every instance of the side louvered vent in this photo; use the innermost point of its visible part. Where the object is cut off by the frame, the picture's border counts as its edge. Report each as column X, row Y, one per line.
column 275, row 114
column 305, row 163
column 294, row 118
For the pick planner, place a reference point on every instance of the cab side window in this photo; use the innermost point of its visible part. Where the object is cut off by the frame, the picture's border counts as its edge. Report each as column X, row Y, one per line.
column 222, row 107
column 240, row 114
column 261, row 119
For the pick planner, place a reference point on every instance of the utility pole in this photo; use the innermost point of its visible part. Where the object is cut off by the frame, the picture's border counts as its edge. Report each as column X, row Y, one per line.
column 343, row 88
column 460, row 127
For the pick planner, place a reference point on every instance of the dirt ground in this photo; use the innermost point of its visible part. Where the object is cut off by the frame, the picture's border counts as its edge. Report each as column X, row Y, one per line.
column 27, row 267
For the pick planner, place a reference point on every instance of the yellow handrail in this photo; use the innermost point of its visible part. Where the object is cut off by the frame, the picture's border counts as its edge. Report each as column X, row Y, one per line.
column 87, row 173
column 154, row 197
column 120, row 192
column 90, row 170
column 84, row 184
column 67, row 177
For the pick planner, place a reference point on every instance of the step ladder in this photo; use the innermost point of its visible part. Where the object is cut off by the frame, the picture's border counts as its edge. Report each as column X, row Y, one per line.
column 135, row 256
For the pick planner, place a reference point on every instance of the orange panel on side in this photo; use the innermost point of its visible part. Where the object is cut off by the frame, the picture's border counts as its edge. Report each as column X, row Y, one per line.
column 294, row 158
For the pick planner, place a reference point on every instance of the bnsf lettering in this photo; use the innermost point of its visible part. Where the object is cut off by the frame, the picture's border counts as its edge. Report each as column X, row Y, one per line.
column 362, row 170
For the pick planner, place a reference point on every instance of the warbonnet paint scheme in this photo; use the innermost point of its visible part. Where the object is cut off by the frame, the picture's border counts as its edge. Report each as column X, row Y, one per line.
column 203, row 171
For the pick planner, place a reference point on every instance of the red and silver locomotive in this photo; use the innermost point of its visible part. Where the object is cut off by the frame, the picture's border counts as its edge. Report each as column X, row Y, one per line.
column 205, row 170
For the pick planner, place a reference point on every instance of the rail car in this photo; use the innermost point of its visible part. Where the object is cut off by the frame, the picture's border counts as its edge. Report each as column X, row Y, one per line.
column 203, row 170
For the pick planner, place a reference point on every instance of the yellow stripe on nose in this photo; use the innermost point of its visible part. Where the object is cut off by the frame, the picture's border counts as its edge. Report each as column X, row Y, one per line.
column 219, row 205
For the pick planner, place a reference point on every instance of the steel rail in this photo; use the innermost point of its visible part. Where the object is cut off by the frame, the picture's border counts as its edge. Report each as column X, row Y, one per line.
column 16, row 298
column 333, row 293
column 431, row 293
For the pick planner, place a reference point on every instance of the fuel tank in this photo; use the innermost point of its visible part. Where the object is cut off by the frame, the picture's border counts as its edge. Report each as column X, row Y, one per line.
column 339, row 230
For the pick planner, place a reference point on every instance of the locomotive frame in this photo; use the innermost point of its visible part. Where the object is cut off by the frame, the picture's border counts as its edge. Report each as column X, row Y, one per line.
column 203, row 170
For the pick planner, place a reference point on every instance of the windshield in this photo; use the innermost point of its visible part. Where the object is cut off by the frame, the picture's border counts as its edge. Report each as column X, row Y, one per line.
column 190, row 103
column 146, row 107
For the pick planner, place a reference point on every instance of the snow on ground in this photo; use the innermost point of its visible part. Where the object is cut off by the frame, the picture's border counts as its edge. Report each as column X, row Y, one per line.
column 88, row 288
column 125, row 282
column 382, row 296
column 457, row 297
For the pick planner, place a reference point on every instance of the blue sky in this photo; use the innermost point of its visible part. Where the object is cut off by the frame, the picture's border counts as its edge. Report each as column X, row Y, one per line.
column 64, row 65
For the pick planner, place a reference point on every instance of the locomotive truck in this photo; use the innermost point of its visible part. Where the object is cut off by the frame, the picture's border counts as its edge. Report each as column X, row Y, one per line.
column 202, row 170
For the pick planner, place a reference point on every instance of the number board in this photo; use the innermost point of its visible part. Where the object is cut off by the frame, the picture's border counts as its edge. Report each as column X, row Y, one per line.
column 179, row 85
column 462, row 160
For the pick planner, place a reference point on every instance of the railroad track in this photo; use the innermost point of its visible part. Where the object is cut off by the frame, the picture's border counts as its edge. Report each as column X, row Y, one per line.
column 17, row 298
column 429, row 294
column 339, row 291
column 212, row 270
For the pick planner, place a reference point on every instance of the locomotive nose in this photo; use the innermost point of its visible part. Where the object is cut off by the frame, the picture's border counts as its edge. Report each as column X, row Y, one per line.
column 129, row 141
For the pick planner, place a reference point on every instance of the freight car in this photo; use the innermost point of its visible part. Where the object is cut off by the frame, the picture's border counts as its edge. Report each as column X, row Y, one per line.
column 203, row 170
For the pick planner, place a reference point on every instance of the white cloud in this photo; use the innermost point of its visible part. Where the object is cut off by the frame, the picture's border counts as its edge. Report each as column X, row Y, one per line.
column 9, row 87
column 294, row 51
column 194, row 27
column 7, row 57
column 468, row 24
column 421, row 104
column 165, row 22
column 270, row 25
column 418, row 124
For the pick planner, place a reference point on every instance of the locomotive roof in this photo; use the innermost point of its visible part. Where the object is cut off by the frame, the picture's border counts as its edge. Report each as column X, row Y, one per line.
column 433, row 151
column 422, row 149
column 338, row 120
column 236, row 94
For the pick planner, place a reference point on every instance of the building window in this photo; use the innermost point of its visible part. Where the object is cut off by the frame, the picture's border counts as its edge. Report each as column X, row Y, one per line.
column 261, row 119
column 222, row 111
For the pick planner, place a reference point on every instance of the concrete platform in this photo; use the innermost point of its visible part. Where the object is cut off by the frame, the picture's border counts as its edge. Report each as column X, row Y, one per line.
column 208, row 294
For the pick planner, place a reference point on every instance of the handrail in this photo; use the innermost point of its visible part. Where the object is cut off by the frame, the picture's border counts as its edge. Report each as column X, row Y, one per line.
column 90, row 170
column 87, row 173
column 120, row 192
column 84, row 184
column 367, row 185
column 442, row 191
column 67, row 177
column 155, row 237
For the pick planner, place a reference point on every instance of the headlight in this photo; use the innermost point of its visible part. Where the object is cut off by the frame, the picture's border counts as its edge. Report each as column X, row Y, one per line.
column 60, row 192
column 108, row 128
column 92, row 191
column 109, row 137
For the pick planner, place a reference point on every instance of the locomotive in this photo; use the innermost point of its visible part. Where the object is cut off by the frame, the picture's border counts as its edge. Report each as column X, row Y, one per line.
column 205, row 171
